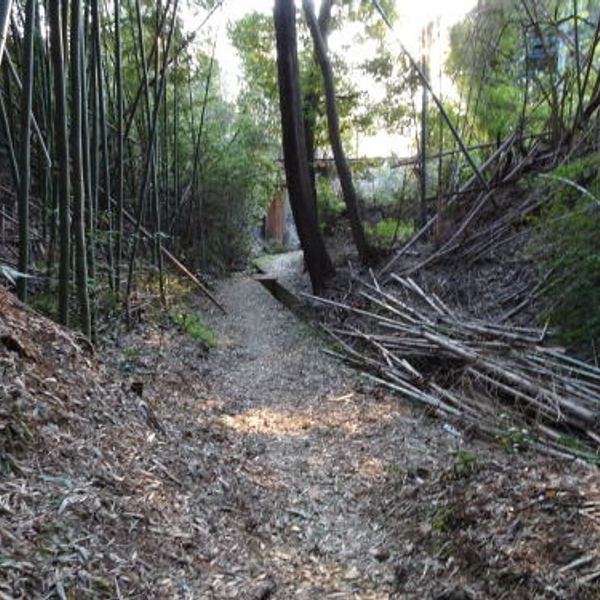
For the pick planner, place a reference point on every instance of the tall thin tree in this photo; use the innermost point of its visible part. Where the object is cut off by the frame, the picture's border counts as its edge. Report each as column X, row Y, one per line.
column 25, row 147
column 335, row 137
column 120, row 150
column 149, row 154
column 81, row 265
column 61, row 141
column 318, row 262
column 104, row 181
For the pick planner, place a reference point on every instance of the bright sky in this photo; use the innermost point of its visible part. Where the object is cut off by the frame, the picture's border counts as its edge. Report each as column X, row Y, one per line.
column 413, row 16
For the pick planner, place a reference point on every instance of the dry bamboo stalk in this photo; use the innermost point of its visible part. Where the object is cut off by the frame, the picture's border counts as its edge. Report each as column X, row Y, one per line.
column 357, row 311
column 500, row 368
column 403, row 363
column 515, row 378
column 404, row 317
column 409, row 284
column 542, row 408
column 508, row 142
column 176, row 262
column 393, row 299
column 416, row 394
column 458, row 402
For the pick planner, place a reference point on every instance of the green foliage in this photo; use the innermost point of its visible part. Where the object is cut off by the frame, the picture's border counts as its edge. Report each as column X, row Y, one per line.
column 464, row 463
column 444, row 520
column 330, row 206
column 253, row 37
column 503, row 89
column 262, row 262
column 226, row 172
column 387, row 232
column 485, row 60
column 45, row 302
column 514, row 440
column 568, row 243
column 239, row 177
column 275, row 247
column 193, row 326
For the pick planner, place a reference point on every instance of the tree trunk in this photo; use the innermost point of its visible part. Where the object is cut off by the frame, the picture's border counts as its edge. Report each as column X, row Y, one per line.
column 309, row 115
column 90, row 207
column 104, row 212
column 425, row 46
column 120, row 150
column 335, row 139
column 61, row 140
column 311, row 103
column 294, row 147
column 25, row 148
column 81, row 264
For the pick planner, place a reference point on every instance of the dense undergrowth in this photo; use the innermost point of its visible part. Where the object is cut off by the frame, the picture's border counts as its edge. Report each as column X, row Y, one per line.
column 566, row 241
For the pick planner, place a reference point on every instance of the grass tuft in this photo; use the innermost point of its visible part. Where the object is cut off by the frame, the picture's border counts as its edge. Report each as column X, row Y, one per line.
column 193, row 326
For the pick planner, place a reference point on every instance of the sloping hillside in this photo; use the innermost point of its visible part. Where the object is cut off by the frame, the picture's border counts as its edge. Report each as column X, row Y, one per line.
column 90, row 505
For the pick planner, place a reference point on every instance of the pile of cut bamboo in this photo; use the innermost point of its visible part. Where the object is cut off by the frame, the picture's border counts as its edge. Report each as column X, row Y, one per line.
column 497, row 378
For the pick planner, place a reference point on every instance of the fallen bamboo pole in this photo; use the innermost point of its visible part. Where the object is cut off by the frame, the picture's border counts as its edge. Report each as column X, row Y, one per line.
column 175, row 262
column 486, row 375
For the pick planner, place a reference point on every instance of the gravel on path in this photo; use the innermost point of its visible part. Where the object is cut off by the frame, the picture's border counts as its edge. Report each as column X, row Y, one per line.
column 320, row 446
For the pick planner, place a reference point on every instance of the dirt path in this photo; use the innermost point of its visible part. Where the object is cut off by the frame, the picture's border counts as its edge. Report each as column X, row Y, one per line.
column 262, row 470
column 319, row 448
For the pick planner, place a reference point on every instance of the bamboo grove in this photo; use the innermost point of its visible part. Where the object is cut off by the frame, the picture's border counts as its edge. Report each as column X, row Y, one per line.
column 116, row 141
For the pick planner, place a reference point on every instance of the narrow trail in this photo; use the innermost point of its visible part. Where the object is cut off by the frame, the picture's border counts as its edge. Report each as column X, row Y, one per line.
column 318, row 446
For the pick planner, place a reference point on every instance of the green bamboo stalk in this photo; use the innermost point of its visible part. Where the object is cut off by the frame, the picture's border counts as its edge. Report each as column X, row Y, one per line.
column 119, row 151
column 87, row 177
column 78, row 182
column 104, row 208
column 5, row 8
column 149, row 156
column 25, row 148
column 62, row 158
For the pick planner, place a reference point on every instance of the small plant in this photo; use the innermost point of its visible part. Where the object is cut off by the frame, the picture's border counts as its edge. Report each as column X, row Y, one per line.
column 388, row 231
column 262, row 262
column 443, row 520
column 132, row 352
column 130, row 363
column 464, row 463
column 514, row 440
column 45, row 303
column 330, row 206
column 394, row 471
column 193, row 325
column 276, row 247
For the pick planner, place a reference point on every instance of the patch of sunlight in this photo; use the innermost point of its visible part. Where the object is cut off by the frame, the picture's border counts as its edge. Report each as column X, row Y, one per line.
column 270, row 422
column 372, row 468
column 347, row 414
column 213, row 404
column 351, row 414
